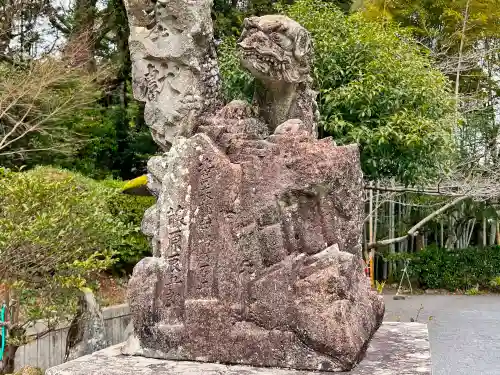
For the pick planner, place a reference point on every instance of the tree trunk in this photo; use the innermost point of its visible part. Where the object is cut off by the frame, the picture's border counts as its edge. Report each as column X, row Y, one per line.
column 470, row 232
column 441, row 234
column 81, row 43
column 452, row 236
column 392, row 234
column 459, row 63
column 419, row 242
column 498, row 233
column 493, row 232
column 485, row 237
column 7, row 366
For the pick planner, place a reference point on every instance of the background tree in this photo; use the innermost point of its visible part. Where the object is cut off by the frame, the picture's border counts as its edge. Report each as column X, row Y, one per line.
column 376, row 89
column 114, row 140
column 462, row 36
column 38, row 101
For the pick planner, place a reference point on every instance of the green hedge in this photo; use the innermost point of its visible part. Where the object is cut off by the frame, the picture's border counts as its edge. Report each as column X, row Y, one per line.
column 462, row 269
column 67, row 211
column 135, row 246
column 128, row 209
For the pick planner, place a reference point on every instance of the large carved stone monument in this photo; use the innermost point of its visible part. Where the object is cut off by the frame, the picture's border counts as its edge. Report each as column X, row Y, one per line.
column 174, row 64
column 257, row 228
column 256, row 232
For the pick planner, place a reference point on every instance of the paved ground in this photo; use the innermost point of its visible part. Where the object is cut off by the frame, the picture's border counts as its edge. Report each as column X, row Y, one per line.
column 464, row 330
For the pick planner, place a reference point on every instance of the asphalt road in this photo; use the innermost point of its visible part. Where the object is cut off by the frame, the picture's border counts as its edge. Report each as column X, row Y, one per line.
column 464, row 330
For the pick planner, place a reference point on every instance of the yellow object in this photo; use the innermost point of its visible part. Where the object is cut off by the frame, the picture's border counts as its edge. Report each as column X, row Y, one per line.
column 372, row 271
column 137, row 186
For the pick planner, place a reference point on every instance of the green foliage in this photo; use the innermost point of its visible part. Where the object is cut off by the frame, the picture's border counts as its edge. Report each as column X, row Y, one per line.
column 495, row 284
column 228, row 17
column 237, row 83
column 134, row 246
column 117, row 142
column 437, row 23
column 57, row 231
column 462, row 269
column 379, row 90
column 474, row 291
column 345, row 5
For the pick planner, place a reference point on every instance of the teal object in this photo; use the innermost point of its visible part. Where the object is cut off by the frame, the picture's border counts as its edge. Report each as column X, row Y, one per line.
column 2, row 320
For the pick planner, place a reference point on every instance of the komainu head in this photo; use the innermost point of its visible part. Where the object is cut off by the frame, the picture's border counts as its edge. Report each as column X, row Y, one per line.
column 276, row 48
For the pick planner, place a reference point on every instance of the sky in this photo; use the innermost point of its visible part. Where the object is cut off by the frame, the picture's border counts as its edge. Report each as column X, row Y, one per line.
column 51, row 38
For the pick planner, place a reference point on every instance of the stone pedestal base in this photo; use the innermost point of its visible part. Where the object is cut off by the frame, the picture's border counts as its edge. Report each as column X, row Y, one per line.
column 396, row 349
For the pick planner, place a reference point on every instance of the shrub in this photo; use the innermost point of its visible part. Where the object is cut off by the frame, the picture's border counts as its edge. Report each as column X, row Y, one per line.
column 56, row 233
column 460, row 269
column 58, row 229
column 129, row 209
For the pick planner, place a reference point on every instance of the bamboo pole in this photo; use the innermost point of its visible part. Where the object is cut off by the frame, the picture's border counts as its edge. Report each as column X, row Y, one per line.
column 370, row 235
column 498, row 232
column 441, row 235
column 493, row 229
column 485, row 237
column 470, row 232
column 392, row 234
column 375, row 227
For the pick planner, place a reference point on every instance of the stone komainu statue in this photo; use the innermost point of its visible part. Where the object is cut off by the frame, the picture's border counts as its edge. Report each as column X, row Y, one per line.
column 278, row 52
column 256, row 232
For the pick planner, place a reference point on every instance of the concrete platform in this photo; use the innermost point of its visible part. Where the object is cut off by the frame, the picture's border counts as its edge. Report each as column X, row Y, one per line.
column 396, row 349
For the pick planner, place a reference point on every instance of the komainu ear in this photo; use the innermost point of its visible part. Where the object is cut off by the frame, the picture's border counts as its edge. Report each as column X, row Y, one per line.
column 302, row 45
column 248, row 23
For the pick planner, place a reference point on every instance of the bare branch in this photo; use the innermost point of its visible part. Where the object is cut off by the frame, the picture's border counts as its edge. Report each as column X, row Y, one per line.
column 34, row 100
column 425, row 191
column 414, row 230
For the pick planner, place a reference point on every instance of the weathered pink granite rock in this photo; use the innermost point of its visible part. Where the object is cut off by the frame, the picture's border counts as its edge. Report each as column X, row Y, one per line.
column 256, row 233
column 259, row 259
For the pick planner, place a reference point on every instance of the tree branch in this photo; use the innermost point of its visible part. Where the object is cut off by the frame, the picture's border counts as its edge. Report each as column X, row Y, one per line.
column 426, row 191
column 57, row 20
column 414, row 230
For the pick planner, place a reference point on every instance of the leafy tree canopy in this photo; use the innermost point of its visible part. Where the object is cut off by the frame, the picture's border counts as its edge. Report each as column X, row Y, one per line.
column 375, row 87
column 439, row 24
